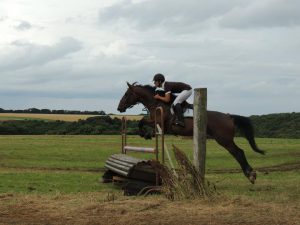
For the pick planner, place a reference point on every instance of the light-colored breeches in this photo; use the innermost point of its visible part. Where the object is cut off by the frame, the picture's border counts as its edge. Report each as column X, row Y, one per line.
column 184, row 95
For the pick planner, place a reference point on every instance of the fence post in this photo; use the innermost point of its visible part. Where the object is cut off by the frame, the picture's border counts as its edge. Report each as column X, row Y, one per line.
column 200, row 123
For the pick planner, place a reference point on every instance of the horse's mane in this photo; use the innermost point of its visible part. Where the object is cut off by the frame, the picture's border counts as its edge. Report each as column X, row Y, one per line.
column 151, row 90
column 147, row 87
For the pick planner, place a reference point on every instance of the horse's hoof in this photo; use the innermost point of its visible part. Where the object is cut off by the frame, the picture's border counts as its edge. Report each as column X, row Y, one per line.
column 148, row 137
column 252, row 177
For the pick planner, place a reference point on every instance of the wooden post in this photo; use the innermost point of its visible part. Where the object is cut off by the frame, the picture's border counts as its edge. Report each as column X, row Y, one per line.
column 124, row 134
column 200, row 123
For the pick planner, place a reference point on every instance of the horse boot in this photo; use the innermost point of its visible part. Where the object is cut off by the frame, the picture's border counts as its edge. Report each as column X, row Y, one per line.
column 179, row 115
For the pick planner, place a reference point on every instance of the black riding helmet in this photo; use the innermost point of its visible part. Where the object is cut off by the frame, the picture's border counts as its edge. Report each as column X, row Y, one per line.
column 159, row 77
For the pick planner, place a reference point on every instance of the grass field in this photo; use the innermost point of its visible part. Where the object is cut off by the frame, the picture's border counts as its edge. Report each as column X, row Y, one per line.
column 40, row 174
column 63, row 117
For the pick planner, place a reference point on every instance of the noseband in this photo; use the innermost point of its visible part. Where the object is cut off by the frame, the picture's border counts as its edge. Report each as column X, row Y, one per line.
column 134, row 95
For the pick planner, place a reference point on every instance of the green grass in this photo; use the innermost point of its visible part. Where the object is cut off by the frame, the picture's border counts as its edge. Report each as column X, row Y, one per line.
column 62, row 152
column 273, row 187
column 72, row 164
column 49, row 182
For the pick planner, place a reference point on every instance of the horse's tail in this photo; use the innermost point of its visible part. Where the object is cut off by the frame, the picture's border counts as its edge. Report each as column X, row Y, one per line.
column 245, row 126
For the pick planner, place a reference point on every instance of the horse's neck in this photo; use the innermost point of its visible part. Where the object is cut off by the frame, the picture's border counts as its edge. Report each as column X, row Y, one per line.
column 165, row 107
column 149, row 105
column 147, row 99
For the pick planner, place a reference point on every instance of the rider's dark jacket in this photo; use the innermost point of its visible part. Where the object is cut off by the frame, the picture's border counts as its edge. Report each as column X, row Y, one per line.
column 175, row 87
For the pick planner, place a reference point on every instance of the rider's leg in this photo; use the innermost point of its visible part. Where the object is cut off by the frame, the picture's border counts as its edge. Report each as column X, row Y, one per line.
column 183, row 96
column 179, row 115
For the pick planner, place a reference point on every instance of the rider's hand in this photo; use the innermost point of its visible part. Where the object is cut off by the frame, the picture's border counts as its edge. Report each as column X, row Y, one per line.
column 157, row 96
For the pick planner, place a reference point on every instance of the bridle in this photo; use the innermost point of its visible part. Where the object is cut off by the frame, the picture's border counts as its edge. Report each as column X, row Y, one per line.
column 134, row 95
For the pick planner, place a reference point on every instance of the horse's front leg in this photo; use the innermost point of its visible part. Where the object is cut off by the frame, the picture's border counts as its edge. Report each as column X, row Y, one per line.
column 146, row 128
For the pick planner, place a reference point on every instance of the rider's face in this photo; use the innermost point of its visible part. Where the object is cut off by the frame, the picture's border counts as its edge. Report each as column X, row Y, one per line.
column 157, row 83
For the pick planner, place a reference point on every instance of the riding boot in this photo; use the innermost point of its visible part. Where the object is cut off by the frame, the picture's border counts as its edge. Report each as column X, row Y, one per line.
column 179, row 115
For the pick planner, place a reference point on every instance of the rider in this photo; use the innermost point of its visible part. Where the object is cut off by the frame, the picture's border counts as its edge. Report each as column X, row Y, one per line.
column 183, row 90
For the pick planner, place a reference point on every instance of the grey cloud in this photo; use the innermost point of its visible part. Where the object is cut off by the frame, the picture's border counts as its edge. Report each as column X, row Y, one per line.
column 26, row 54
column 23, row 25
column 83, row 94
column 180, row 16
column 99, row 79
column 250, row 96
column 192, row 15
column 268, row 13
column 246, row 71
column 59, row 103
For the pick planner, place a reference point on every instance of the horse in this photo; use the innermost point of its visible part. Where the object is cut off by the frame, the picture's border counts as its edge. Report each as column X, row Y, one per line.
column 220, row 126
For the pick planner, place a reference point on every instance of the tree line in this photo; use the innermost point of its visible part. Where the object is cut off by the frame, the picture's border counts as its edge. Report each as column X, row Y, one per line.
column 92, row 126
column 49, row 111
column 281, row 125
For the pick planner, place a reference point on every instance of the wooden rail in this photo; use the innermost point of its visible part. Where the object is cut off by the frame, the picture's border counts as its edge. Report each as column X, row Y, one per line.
column 159, row 132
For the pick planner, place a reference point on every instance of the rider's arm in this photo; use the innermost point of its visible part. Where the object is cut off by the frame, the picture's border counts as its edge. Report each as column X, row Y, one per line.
column 166, row 98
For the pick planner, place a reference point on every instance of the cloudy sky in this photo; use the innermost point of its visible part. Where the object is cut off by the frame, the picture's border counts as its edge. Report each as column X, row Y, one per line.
column 66, row 54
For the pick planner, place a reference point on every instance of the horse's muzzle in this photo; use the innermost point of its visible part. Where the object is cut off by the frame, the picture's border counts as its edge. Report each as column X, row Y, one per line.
column 121, row 109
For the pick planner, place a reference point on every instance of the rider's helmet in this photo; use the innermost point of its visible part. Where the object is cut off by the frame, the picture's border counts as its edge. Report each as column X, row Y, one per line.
column 159, row 77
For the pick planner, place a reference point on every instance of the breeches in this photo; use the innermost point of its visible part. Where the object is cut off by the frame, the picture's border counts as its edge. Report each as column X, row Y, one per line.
column 184, row 95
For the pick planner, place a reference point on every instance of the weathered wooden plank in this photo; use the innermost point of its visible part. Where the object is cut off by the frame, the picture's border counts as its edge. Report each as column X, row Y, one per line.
column 139, row 149
column 118, row 166
column 126, row 158
column 116, row 170
column 200, row 124
column 123, row 163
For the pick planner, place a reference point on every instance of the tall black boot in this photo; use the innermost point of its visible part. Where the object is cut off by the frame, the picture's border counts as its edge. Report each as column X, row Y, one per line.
column 179, row 115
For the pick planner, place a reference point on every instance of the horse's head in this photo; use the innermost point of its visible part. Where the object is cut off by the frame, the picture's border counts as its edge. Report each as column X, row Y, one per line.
column 129, row 99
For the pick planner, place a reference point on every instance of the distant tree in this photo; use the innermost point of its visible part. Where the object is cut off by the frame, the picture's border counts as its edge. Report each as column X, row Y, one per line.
column 46, row 111
column 61, row 111
column 34, row 110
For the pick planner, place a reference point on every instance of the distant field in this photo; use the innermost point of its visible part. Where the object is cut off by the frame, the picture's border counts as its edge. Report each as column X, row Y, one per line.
column 63, row 117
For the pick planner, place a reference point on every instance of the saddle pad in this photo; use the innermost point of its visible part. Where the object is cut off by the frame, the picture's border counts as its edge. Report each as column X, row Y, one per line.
column 187, row 113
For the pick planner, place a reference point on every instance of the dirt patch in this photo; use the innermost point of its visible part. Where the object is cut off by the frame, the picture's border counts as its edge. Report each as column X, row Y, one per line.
column 96, row 209
column 56, row 170
column 276, row 168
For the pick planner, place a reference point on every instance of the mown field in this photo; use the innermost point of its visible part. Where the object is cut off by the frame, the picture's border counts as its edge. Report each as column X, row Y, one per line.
column 62, row 117
column 55, row 180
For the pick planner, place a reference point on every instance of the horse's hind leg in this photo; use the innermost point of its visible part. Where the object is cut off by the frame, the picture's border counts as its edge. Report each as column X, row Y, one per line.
column 239, row 155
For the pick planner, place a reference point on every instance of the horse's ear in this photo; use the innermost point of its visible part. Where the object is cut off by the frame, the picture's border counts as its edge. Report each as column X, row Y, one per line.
column 129, row 85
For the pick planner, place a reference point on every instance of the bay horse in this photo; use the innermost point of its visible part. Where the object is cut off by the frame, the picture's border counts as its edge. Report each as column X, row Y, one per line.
column 220, row 126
